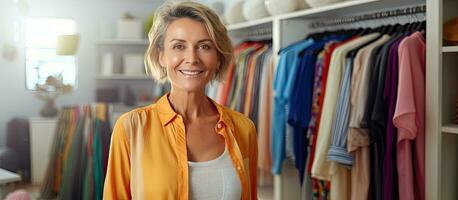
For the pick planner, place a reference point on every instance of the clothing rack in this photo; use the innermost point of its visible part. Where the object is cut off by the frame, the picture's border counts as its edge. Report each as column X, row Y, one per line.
column 372, row 16
column 79, row 154
column 259, row 33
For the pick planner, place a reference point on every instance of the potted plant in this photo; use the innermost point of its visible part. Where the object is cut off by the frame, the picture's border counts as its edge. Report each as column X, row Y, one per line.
column 49, row 92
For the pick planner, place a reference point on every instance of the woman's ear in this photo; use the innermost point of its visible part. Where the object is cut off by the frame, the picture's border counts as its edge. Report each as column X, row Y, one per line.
column 161, row 58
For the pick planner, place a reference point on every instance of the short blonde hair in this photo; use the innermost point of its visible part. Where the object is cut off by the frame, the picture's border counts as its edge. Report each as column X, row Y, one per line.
column 171, row 11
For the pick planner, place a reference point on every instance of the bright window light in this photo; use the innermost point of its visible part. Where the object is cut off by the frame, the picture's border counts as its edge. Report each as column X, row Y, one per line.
column 41, row 59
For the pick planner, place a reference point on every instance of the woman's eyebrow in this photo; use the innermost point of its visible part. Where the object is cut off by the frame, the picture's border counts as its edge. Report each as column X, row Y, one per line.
column 181, row 40
column 204, row 40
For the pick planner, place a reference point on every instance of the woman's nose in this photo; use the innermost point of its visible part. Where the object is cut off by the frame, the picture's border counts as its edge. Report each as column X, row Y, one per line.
column 192, row 56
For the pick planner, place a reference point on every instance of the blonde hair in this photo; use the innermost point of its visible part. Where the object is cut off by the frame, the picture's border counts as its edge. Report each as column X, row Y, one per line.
column 171, row 11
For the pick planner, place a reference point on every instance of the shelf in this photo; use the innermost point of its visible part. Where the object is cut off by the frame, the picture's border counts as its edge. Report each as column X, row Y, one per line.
column 450, row 49
column 324, row 9
column 123, row 77
column 341, row 8
column 249, row 24
column 123, row 42
column 450, row 128
column 43, row 119
column 298, row 14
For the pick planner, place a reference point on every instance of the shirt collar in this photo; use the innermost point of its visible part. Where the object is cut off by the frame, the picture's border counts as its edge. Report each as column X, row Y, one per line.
column 167, row 114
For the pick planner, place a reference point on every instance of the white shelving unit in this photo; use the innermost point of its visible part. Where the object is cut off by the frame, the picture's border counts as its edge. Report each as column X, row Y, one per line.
column 450, row 49
column 118, row 48
column 441, row 96
column 450, row 128
column 320, row 11
column 441, row 84
column 248, row 24
column 127, row 84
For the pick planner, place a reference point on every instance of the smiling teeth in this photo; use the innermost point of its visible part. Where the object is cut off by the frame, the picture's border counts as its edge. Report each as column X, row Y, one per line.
column 190, row 72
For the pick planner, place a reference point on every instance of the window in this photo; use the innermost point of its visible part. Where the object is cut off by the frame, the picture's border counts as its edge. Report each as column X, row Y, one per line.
column 41, row 59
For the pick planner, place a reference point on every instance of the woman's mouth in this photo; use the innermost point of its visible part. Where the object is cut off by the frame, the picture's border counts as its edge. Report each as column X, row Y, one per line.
column 191, row 73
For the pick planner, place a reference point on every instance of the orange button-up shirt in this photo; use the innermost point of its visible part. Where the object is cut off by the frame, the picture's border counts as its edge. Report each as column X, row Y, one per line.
column 148, row 158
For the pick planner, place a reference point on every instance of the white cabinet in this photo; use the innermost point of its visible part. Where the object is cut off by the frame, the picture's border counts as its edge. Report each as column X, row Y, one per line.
column 41, row 137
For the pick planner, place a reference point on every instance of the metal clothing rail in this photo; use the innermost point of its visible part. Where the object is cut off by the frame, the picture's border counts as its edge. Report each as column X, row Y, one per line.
column 259, row 32
column 365, row 17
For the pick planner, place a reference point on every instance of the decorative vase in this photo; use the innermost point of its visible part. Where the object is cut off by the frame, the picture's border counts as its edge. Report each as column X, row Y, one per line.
column 49, row 109
column 233, row 14
column 254, row 9
column 275, row 7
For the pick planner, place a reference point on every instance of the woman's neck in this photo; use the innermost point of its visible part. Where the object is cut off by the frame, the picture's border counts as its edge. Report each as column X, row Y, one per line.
column 191, row 105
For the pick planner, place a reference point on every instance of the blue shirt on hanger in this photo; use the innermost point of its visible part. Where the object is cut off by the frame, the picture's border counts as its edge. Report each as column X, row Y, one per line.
column 284, row 80
column 301, row 103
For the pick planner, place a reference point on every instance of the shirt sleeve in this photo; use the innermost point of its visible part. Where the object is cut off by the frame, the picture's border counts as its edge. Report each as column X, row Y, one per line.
column 117, row 179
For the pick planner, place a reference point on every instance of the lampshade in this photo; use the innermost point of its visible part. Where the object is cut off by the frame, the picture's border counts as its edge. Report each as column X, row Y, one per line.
column 67, row 44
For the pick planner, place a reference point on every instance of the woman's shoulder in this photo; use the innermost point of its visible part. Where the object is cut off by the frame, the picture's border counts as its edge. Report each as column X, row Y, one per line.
column 137, row 116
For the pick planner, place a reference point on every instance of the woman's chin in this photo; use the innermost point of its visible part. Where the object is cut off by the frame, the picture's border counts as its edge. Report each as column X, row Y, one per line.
column 190, row 87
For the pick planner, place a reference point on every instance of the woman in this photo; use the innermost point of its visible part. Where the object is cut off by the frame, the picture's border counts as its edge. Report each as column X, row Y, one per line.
column 185, row 146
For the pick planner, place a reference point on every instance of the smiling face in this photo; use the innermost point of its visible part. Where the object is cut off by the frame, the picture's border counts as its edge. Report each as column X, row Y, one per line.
column 189, row 55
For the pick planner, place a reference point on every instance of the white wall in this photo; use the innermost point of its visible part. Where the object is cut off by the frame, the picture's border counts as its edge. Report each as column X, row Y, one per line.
column 96, row 19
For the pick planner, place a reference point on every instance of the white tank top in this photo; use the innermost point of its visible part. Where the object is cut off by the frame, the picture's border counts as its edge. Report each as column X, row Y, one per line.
column 214, row 179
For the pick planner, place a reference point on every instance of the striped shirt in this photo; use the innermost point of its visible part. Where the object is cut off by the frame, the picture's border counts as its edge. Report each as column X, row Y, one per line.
column 338, row 148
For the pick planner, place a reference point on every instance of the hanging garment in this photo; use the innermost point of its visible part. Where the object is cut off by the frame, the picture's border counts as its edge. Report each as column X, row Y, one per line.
column 357, row 138
column 321, row 168
column 300, row 105
column 51, row 182
column 409, row 117
column 265, row 107
column 283, row 85
column 71, row 174
column 376, row 130
column 389, row 183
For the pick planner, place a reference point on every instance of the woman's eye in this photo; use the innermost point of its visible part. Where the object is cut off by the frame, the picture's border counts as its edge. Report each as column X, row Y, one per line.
column 205, row 46
column 178, row 46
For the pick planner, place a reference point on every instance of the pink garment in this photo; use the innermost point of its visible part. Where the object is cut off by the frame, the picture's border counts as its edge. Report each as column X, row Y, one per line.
column 18, row 195
column 409, row 118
